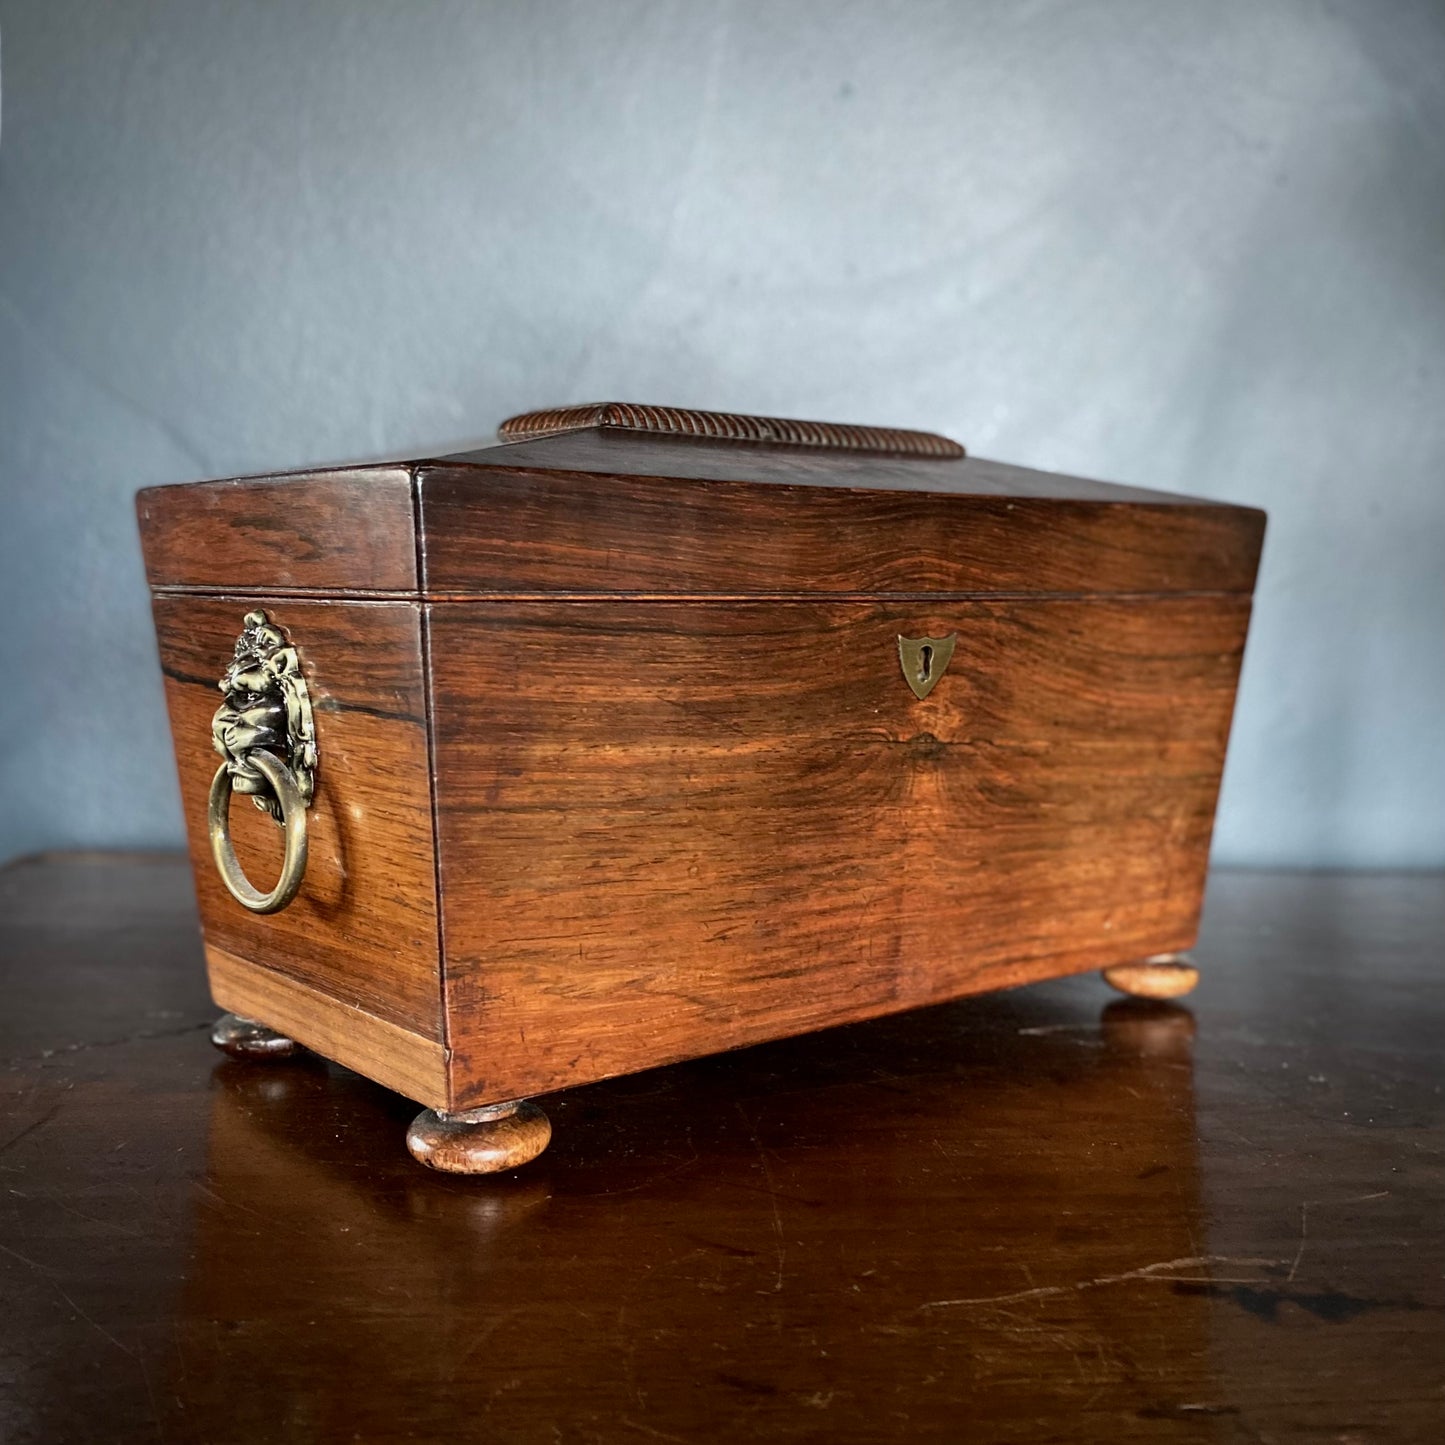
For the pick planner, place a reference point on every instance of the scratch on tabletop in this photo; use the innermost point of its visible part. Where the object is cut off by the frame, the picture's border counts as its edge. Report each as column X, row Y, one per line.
column 30, row 1128
column 772, row 1196
column 648, row 1430
column 55, row 1284
column 1304, row 1223
column 1161, row 1270
column 83, row 1046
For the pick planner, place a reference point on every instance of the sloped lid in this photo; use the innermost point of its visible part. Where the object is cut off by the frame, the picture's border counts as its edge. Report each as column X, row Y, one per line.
column 633, row 440
column 624, row 499
column 629, row 500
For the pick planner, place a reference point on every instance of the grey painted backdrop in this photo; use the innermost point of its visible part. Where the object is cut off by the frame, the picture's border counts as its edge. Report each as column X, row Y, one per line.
column 1191, row 246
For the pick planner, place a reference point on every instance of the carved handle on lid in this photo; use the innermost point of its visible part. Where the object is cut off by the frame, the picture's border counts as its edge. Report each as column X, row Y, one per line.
column 728, row 426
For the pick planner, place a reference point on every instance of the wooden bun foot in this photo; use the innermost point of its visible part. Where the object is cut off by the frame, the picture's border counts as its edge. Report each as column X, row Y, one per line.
column 479, row 1141
column 1166, row 975
column 246, row 1039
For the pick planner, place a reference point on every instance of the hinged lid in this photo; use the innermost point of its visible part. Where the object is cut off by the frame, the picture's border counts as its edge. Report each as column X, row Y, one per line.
column 623, row 500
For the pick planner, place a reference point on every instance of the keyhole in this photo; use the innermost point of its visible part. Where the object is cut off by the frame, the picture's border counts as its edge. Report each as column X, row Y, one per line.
column 925, row 659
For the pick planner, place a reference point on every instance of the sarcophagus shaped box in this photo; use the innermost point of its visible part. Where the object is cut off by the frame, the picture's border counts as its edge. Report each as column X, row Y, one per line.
column 651, row 733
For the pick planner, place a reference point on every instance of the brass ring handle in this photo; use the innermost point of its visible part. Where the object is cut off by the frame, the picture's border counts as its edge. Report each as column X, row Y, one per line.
column 293, row 819
column 265, row 733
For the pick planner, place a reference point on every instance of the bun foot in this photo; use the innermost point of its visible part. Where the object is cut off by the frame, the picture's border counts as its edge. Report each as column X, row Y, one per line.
column 479, row 1141
column 1166, row 975
column 246, row 1039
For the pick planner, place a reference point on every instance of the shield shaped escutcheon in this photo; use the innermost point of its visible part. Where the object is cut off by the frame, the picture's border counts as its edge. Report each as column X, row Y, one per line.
column 925, row 660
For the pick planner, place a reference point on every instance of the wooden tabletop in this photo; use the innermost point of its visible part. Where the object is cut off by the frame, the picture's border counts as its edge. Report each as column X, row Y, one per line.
column 1034, row 1216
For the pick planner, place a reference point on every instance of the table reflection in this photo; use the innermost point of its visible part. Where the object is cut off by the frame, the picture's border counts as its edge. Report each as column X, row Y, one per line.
column 989, row 1208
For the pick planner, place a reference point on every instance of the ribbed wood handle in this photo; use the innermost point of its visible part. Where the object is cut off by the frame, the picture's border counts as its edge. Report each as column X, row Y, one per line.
column 727, row 426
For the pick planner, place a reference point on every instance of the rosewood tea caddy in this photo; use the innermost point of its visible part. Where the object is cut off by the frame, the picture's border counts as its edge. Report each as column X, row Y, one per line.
column 651, row 733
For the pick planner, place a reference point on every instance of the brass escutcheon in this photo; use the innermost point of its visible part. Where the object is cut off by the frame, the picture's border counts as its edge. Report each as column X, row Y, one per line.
column 924, row 661
column 266, row 736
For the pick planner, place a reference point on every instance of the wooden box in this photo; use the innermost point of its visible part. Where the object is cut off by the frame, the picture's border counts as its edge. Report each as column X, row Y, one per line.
column 648, row 734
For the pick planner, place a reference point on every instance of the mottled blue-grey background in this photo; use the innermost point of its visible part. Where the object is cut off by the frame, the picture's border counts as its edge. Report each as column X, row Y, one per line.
column 1199, row 247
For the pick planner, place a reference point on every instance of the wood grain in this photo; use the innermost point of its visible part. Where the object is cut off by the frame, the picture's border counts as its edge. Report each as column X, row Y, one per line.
column 597, row 512
column 667, row 830
column 684, row 799
column 408, row 1062
column 469, row 1144
column 622, row 454
column 504, row 529
column 343, row 530
column 363, row 929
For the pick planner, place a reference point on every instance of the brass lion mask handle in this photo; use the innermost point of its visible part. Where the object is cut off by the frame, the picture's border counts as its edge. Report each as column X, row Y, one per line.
column 266, row 737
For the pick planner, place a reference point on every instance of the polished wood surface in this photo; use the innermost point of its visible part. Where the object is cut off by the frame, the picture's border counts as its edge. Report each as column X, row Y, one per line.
column 599, row 511
column 479, row 1141
column 623, row 454
column 413, row 1063
column 668, row 829
column 346, row 530
column 1027, row 1216
column 362, row 932
column 243, row 1038
column 1157, row 978
column 618, row 766
column 520, row 525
